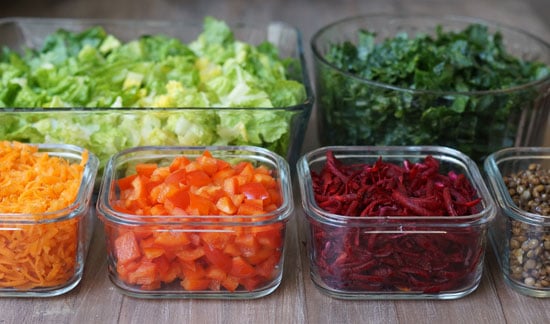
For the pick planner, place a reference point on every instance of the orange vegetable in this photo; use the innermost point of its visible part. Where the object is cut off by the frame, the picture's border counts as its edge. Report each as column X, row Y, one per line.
column 31, row 182
column 146, row 169
column 126, row 248
column 241, row 269
column 213, row 257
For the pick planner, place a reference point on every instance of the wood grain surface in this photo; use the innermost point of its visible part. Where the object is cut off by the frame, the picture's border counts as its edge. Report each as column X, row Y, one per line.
column 297, row 300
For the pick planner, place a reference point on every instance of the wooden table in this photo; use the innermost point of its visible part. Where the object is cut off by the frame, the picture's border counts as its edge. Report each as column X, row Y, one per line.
column 96, row 300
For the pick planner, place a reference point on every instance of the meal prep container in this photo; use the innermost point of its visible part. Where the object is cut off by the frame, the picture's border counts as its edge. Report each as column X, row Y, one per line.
column 521, row 233
column 19, row 33
column 71, row 229
column 258, row 239
column 407, row 257
column 356, row 111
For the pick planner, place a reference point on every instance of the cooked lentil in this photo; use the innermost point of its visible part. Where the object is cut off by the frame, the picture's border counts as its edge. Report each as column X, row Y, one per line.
column 529, row 245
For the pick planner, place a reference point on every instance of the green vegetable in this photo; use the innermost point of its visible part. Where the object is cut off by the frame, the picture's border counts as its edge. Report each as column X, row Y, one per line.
column 358, row 113
column 92, row 69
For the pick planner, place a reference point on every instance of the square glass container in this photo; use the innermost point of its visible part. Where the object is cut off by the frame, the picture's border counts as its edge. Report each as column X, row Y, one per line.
column 105, row 130
column 395, row 257
column 52, row 246
column 355, row 110
column 519, row 179
column 200, row 256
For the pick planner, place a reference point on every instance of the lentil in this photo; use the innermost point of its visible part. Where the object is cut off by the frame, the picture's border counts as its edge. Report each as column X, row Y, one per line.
column 529, row 257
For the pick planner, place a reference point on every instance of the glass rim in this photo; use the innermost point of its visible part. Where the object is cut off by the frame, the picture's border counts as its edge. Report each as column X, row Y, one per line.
column 498, row 187
column 74, row 209
column 471, row 171
column 298, row 107
column 238, row 25
column 451, row 18
column 188, row 222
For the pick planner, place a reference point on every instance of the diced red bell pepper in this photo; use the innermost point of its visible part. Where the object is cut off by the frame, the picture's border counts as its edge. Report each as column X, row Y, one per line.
column 241, row 269
column 126, row 248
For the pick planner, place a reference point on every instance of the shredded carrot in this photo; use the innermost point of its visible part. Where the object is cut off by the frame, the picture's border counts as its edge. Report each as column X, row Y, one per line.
column 35, row 183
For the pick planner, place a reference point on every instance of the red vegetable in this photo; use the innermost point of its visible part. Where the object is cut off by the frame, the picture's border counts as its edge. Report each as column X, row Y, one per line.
column 209, row 257
column 424, row 259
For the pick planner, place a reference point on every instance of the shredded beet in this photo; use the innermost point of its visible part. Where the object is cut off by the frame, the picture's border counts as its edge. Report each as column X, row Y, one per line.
column 407, row 256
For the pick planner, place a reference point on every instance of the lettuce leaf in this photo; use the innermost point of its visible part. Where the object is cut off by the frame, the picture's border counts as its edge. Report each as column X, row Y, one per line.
column 152, row 75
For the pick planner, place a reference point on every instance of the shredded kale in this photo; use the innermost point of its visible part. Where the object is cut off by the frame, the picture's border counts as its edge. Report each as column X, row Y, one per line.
column 473, row 59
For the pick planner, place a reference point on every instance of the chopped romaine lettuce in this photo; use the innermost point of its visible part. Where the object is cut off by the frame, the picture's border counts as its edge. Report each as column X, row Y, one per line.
column 95, row 69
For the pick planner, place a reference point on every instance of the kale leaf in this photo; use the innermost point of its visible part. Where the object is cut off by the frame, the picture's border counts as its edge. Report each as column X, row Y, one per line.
column 355, row 112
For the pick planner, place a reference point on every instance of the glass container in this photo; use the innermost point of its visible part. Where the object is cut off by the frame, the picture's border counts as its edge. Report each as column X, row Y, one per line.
column 196, row 255
column 50, row 248
column 394, row 257
column 519, row 179
column 106, row 130
column 355, row 110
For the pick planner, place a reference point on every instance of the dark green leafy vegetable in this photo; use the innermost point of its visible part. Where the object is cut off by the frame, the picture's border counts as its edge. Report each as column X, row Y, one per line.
column 434, row 105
